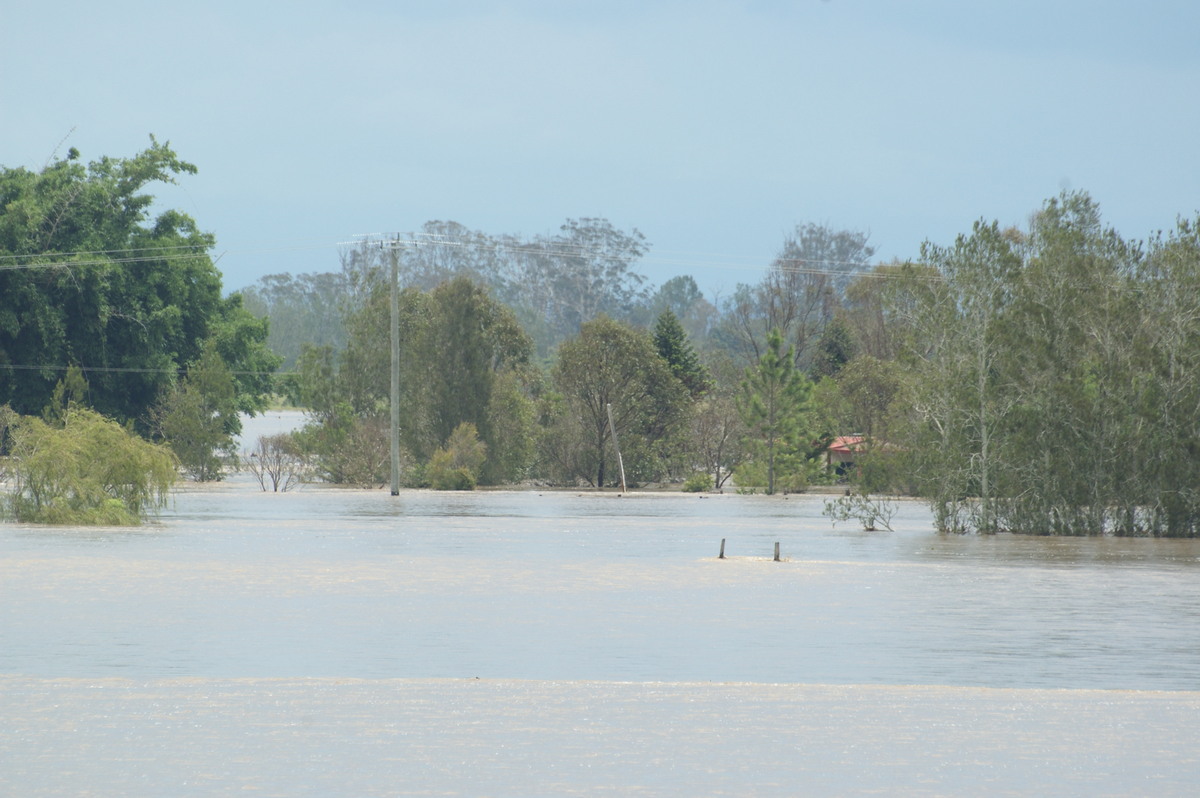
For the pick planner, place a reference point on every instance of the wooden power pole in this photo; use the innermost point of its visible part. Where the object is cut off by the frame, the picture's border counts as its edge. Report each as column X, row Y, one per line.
column 395, row 392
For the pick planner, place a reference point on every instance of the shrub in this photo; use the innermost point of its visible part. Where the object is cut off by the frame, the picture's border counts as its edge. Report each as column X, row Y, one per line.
column 454, row 467
column 90, row 470
column 698, row 482
column 871, row 513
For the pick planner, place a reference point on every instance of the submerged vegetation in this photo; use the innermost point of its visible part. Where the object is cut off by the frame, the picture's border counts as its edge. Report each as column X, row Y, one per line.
column 1039, row 380
column 86, row 469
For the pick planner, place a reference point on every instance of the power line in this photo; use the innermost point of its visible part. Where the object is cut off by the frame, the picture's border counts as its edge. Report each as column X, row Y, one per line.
column 134, row 370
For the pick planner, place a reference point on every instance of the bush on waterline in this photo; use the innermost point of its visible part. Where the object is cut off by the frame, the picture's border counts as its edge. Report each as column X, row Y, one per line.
column 88, row 471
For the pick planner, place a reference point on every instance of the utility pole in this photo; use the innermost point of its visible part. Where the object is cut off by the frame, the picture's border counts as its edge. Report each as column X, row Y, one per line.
column 395, row 392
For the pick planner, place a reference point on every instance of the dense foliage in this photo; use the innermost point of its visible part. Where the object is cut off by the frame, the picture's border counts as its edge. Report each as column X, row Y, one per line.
column 1056, row 388
column 1038, row 381
column 86, row 470
column 89, row 279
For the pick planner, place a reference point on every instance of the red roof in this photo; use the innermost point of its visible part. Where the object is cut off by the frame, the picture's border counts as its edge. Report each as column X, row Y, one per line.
column 847, row 443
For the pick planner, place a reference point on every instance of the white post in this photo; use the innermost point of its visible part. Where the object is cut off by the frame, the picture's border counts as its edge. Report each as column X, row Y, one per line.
column 620, row 463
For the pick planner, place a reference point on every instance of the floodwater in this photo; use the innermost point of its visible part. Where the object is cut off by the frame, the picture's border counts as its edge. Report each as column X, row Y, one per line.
column 347, row 642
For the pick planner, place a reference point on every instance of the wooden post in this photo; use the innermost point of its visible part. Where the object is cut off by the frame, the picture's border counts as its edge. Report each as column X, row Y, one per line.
column 777, row 551
column 721, row 556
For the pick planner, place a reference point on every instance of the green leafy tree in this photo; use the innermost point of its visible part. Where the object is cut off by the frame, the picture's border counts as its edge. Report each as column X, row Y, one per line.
column 610, row 365
column 90, row 470
column 71, row 391
column 199, row 417
column 93, row 281
column 775, row 405
column 966, row 325
column 471, row 339
column 1055, row 389
column 463, row 359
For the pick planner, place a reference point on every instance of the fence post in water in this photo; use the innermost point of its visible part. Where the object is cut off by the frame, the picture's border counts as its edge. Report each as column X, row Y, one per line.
column 777, row 551
column 721, row 556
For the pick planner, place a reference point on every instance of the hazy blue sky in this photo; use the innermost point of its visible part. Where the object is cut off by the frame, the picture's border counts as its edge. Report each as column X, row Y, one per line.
column 713, row 127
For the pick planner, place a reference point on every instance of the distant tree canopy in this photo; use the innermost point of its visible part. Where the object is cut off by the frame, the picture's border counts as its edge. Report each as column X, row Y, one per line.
column 303, row 309
column 88, row 279
column 1038, row 380
column 462, row 360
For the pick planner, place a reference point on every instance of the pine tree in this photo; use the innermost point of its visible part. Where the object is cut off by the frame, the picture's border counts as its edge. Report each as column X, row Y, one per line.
column 673, row 346
column 774, row 404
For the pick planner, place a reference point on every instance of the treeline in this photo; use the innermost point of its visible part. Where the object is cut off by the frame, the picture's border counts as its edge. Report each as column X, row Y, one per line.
column 113, row 328
column 543, row 348
column 1039, row 380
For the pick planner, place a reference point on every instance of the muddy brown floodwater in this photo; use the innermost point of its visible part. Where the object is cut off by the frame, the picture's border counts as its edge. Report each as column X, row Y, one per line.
column 341, row 642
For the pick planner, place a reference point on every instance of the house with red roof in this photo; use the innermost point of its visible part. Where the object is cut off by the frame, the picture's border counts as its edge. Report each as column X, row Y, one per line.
column 842, row 452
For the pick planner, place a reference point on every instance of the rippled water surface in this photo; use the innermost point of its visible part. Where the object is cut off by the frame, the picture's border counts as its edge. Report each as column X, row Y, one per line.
column 336, row 642
column 232, row 582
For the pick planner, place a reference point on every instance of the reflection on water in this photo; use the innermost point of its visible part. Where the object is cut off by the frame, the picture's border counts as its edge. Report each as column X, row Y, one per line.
column 232, row 582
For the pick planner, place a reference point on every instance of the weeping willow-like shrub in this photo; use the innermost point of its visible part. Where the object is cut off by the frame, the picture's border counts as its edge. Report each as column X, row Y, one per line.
column 88, row 471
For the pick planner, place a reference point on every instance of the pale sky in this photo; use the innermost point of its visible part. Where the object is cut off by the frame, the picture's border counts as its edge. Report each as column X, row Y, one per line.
column 712, row 127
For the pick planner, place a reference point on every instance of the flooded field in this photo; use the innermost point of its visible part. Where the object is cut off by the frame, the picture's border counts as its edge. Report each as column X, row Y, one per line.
column 346, row 642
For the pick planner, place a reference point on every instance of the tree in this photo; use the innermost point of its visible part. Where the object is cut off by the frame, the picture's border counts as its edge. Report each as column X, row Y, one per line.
column 673, row 346
column 456, row 465
column 716, row 433
column 277, row 463
column 471, row 339
column 94, row 282
column 585, row 271
column 199, row 417
column 834, row 350
column 90, row 470
column 680, row 295
column 71, row 391
column 963, row 398
column 799, row 295
column 609, row 365
column 774, row 404
column 303, row 309
column 1049, row 385
column 878, row 313
column 1165, row 395
column 463, row 359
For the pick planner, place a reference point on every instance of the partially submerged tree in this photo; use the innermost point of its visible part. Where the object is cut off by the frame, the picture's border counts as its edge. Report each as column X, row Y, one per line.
column 456, row 465
column 277, row 463
column 89, row 471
